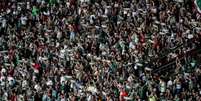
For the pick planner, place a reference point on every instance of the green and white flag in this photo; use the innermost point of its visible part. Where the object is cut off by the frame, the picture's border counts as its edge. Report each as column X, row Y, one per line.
column 198, row 5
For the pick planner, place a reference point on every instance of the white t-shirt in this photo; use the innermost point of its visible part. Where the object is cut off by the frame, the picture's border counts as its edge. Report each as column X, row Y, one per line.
column 37, row 87
column 28, row 5
column 49, row 83
column 23, row 20
column 62, row 53
column 36, row 70
column 181, row 1
column 91, row 19
column 84, row 1
column 131, row 45
column 24, row 83
column 63, row 99
column 4, row 23
column 169, row 83
column 47, row 13
column 2, row 82
column 3, row 70
column 163, row 87
column 59, row 34
column 89, row 98
column 10, row 79
column 178, row 86
column 62, row 79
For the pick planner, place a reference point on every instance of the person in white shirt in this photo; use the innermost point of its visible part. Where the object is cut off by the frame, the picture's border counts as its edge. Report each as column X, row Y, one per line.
column 23, row 20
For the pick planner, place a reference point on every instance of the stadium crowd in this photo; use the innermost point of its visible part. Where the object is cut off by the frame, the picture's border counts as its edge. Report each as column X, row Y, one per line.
column 98, row 50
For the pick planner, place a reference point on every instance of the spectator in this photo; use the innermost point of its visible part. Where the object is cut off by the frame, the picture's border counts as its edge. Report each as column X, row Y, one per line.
column 70, row 50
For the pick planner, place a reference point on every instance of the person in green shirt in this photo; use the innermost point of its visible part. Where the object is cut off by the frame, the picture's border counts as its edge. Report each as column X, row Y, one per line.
column 51, row 2
column 35, row 11
column 142, row 91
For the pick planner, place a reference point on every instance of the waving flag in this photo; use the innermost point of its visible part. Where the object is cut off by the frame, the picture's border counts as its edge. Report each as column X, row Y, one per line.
column 198, row 5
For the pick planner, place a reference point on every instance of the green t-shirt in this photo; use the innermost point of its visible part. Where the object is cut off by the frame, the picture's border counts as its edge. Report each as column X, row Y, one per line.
column 35, row 11
column 114, row 66
column 116, row 92
column 142, row 91
column 51, row 2
column 16, row 61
